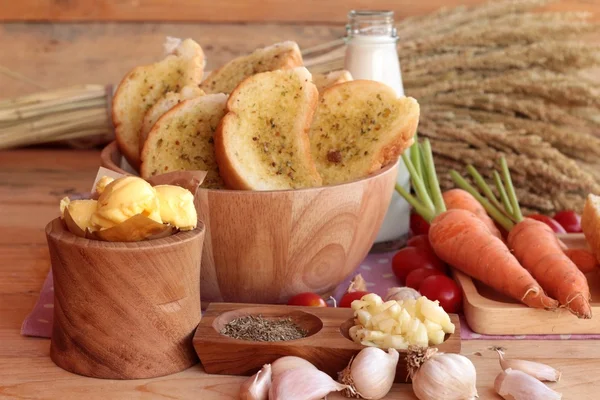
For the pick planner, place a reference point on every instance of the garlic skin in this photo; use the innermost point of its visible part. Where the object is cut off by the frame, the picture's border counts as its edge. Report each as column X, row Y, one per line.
column 402, row 293
column 542, row 372
column 288, row 363
column 303, row 384
column 371, row 373
column 257, row 386
column 441, row 376
column 516, row 385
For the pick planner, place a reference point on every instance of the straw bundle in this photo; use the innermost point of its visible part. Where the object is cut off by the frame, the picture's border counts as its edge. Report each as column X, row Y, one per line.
column 77, row 115
column 498, row 80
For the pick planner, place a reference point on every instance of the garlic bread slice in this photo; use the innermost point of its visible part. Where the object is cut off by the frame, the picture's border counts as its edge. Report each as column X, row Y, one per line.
column 360, row 127
column 145, row 85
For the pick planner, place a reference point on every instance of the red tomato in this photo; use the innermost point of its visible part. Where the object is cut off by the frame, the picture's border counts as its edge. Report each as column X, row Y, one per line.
column 556, row 227
column 443, row 289
column 410, row 258
column 421, row 241
column 569, row 220
column 307, row 299
column 418, row 225
column 348, row 298
column 416, row 276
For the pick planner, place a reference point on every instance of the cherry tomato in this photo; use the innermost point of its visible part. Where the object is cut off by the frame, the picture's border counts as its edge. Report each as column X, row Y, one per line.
column 443, row 289
column 418, row 225
column 307, row 299
column 421, row 241
column 569, row 220
column 410, row 258
column 551, row 222
column 416, row 276
column 348, row 298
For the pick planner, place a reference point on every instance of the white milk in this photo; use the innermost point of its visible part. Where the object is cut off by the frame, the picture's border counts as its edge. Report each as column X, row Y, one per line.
column 371, row 53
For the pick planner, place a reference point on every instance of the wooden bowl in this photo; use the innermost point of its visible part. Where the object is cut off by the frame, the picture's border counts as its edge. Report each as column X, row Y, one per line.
column 327, row 345
column 265, row 246
column 124, row 310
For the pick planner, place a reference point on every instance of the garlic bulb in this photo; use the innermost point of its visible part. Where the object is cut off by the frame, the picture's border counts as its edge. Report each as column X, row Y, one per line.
column 287, row 363
column 516, row 385
column 539, row 371
column 303, row 384
column 257, row 386
column 371, row 373
column 441, row 376
column 402, row 293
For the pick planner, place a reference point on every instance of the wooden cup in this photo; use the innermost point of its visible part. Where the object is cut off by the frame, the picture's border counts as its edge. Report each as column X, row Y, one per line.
column 124, row 310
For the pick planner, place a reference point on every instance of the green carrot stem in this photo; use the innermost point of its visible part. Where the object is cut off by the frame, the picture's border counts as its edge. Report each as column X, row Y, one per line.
column 423, row 168
column 510, row 190
column 484, row 187
column 505, row 201
column 415, row 156
column 418, row 184
column 493, row 211
column 427, row 214
column 432, row 180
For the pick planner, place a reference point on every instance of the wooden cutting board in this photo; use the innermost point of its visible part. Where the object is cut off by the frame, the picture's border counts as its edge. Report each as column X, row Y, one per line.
column 491, row 313
column 327, row 345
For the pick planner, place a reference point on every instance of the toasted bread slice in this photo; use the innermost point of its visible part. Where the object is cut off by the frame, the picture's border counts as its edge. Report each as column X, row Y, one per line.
column 590, row 223
column 182, row 139
column 145, row 85
column 283, row 55
column 262, row 143
column 359, row 127
column 324, row 81
column 163, row 105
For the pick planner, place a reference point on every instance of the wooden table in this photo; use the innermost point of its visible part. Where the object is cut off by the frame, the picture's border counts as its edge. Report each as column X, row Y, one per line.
column 31, row 184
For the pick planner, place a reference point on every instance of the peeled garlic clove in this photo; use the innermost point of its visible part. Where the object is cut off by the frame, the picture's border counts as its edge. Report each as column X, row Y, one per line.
column 371, row 373
column 402, row 293
column 543, row 372
column 303, row 384
column 257, row 386
column 517, row 385
column 288, row 363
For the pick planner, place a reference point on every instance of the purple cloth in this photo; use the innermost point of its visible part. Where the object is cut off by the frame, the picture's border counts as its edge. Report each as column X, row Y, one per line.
column 376, row 269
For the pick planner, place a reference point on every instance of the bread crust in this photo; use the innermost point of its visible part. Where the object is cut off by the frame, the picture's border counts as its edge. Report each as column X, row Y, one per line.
column 590, row 223
column 231, row 175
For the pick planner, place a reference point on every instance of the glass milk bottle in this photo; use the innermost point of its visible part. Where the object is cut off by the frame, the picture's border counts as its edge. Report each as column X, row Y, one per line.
column 371, row 53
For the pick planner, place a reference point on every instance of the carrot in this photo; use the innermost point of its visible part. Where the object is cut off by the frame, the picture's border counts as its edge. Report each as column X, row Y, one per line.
column 583, row 258
column 461, row 199
column 536, row 246
column 463, row 240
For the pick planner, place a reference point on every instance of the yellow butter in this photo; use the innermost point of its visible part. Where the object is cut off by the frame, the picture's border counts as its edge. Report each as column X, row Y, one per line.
column 123, row 198
column 80, row 211
column 176, row 206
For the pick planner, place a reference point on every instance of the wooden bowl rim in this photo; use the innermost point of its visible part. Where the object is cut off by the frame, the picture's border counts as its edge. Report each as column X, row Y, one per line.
column 107, row 151
column 79, row 242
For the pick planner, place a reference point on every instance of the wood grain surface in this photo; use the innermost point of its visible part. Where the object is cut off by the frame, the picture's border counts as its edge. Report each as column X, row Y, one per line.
column 330, row 11
column 124, row 310
column 327, row 346
column 31, row 185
